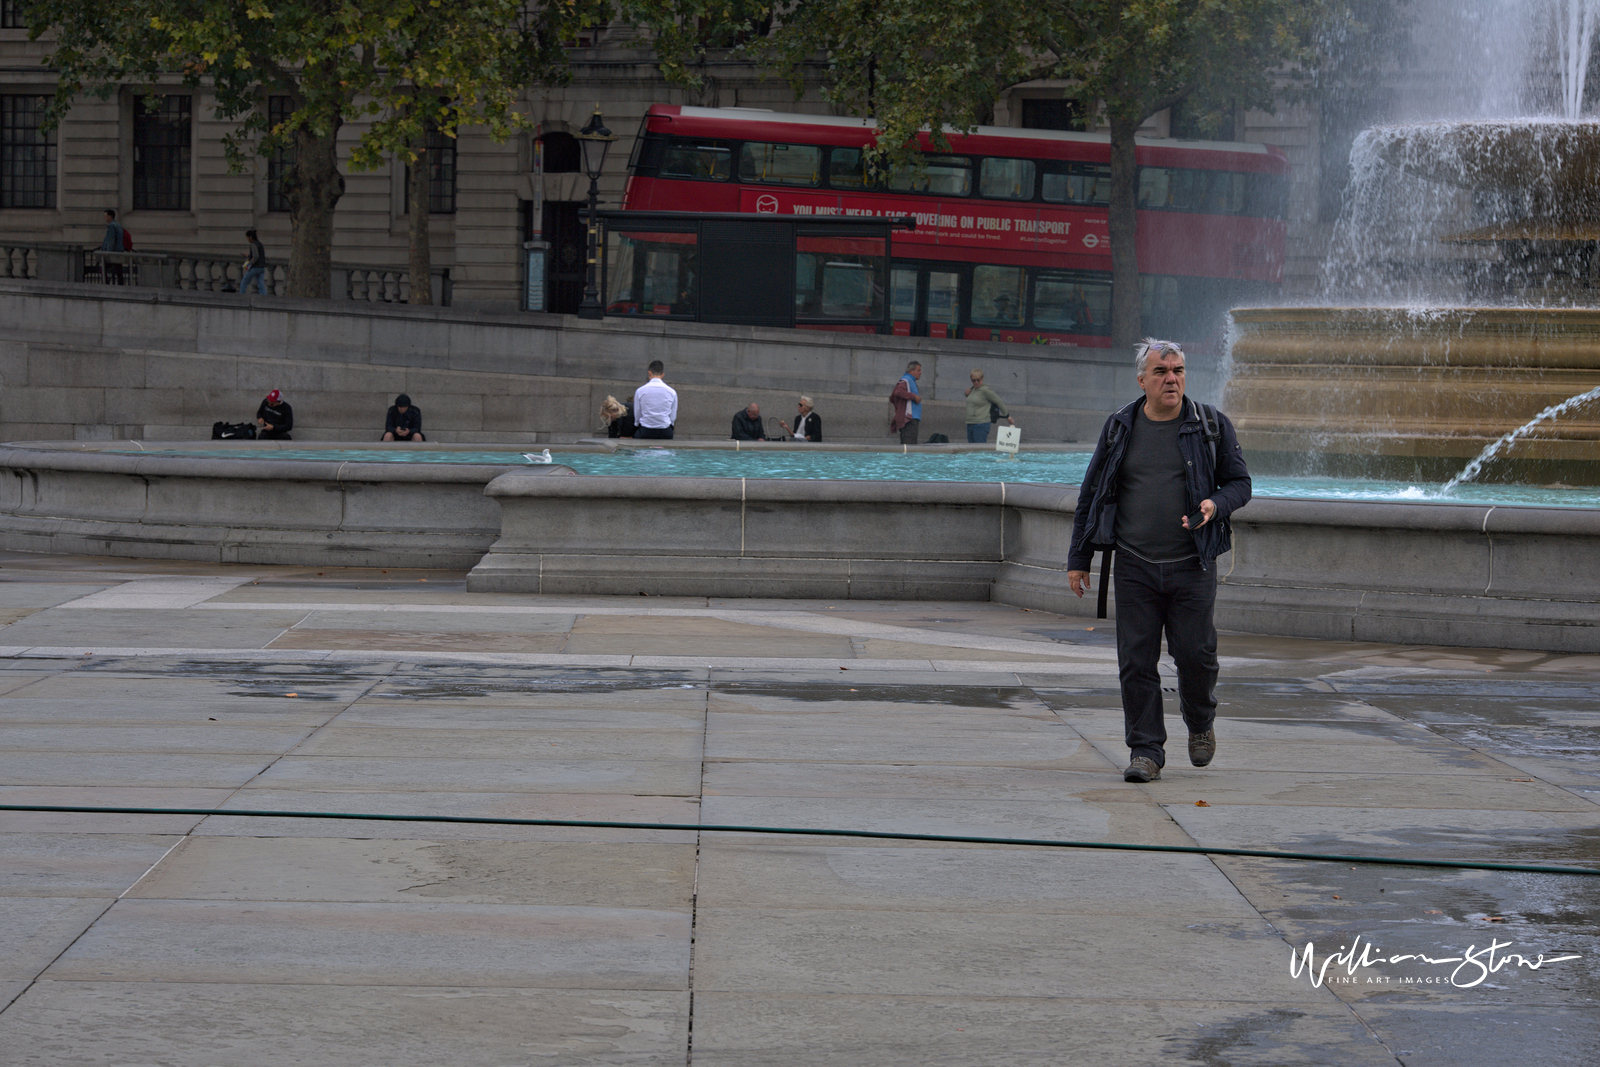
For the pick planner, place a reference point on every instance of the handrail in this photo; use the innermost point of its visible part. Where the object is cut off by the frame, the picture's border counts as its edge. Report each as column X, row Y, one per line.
column 200, row 271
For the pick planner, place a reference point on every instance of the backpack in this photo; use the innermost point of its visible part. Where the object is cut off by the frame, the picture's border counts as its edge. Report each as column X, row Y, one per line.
column 127, row 240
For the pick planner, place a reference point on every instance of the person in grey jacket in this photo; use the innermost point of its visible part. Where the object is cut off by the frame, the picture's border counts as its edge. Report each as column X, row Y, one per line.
column 980, row 399
column 1165, row 476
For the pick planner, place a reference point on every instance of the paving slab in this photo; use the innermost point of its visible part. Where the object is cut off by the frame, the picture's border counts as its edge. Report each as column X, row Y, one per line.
column 185, row 1024
column 77, row 865
column 35, row 930
column 929, row 877
column 588, row 807
column 108, row 769
column 411, row 742
column 1220, row 946
column 640, row 777
column 736, row 1029
column 426, row 943
column 659, row 876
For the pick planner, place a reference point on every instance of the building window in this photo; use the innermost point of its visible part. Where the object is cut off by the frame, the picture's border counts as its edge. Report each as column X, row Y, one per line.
column 1053, row 115
column 281, row 161
column 12, row 15
column 161, row 154
column 560, row 153
column 441, row 176
column 27, row 153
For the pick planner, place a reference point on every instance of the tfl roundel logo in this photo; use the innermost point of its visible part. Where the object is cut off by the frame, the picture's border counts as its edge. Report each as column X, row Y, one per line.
column 767, row 205
column 1090, row 240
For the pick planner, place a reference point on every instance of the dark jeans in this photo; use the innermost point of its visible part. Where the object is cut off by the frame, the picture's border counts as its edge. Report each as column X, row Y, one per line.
column 908, row 432
column 1180, row 599
column 650, row 433
column 977, row 433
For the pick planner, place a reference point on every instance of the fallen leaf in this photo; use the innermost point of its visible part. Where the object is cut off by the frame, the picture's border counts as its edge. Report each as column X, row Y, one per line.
column 1336, row 896
column 291, row 694
column 211, row 718
column 1202, row 803
column 1522, row 779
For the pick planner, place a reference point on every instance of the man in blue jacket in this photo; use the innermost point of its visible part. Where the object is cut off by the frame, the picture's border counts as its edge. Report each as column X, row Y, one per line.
column 1164, row 478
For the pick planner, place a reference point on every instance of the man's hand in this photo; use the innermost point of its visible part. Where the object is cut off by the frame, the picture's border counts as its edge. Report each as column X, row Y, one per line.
column 1208, row 508
column 1079, row 582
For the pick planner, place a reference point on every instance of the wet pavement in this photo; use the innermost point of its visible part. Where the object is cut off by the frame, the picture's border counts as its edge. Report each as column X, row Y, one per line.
column 192, row 941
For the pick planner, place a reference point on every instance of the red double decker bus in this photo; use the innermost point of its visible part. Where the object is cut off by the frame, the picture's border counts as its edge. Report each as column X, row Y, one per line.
column 1011, row 238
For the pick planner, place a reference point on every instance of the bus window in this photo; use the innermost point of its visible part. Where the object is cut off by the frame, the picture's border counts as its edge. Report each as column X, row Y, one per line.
column 706, row 160
column 1205, row 192
column 846, row 169
column 1007, row 179
column 1077, row 183
column 997, row 295
column 1072, row 302
column 942, row 176
column 779, row 164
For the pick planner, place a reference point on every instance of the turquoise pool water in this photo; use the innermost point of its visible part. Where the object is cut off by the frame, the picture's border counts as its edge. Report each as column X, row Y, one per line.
column 1043, row 467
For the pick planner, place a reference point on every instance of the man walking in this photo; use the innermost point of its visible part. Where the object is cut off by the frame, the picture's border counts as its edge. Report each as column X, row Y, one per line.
column 115, row 240
column 255, row 266
column 907, row 401
column 1165, row 475
column 655, row 406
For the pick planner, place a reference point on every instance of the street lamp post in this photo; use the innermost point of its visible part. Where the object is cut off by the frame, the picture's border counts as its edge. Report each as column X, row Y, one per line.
column 593, row 140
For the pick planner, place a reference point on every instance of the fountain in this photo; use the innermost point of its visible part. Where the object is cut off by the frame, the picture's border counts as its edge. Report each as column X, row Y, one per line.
column 1466, row 269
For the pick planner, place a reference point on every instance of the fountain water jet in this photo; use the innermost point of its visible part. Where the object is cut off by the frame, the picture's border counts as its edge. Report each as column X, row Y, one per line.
column 1467, row 259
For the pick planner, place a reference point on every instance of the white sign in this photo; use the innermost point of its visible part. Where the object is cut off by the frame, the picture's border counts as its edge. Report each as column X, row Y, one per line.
column 1009, row 439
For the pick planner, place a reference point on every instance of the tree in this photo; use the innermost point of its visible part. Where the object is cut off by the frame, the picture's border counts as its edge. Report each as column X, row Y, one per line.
column 408, row 66
column 941, row 64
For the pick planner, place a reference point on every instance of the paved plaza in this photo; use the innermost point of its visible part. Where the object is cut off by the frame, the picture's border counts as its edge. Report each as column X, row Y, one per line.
column 188, row 941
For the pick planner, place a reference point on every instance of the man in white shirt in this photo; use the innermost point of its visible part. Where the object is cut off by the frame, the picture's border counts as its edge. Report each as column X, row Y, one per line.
column 655, row 406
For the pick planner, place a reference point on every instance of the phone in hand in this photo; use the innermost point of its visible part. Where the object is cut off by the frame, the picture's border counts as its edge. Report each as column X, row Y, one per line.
column 1196, row 520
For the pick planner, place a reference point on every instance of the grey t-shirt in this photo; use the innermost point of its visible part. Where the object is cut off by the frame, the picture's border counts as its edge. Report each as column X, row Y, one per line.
column 1151, row 500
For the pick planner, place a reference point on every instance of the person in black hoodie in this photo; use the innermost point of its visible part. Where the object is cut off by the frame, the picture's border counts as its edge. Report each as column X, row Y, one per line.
column 274, row 418
column 404, row 422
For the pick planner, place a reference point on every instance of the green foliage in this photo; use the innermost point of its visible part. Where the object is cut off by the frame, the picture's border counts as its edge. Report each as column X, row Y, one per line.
column 942, row 63
column 403, row 65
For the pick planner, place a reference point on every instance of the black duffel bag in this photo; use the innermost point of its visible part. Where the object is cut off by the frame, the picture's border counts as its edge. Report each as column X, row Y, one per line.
column 225, row 431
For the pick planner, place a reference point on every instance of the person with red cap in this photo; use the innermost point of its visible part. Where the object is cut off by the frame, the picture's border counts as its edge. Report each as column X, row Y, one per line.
column 274, row 418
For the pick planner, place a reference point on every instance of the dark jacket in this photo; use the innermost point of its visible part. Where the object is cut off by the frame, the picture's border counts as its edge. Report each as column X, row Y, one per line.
column 747, row 429
column 1228, row 485
column 410, row 420
column 623, row 425
column 279, row 420
column 809, row 427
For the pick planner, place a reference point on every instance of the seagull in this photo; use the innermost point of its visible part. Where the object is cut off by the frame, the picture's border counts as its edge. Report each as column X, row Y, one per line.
column 538, row 457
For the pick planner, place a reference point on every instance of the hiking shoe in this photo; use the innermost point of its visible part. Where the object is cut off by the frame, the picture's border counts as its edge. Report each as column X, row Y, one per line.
column 1141, row 769
column 1202, row 746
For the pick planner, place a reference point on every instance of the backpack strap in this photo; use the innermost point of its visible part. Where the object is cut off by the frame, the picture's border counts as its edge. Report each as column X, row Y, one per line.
column 1105, row 581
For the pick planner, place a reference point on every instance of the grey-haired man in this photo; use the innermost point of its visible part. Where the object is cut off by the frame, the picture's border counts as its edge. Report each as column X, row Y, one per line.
column 1165, row 475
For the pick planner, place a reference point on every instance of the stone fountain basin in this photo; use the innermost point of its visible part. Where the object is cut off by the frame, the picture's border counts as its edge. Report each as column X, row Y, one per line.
column 1554, row 159
column 1445, row 574
column 1402, row 392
